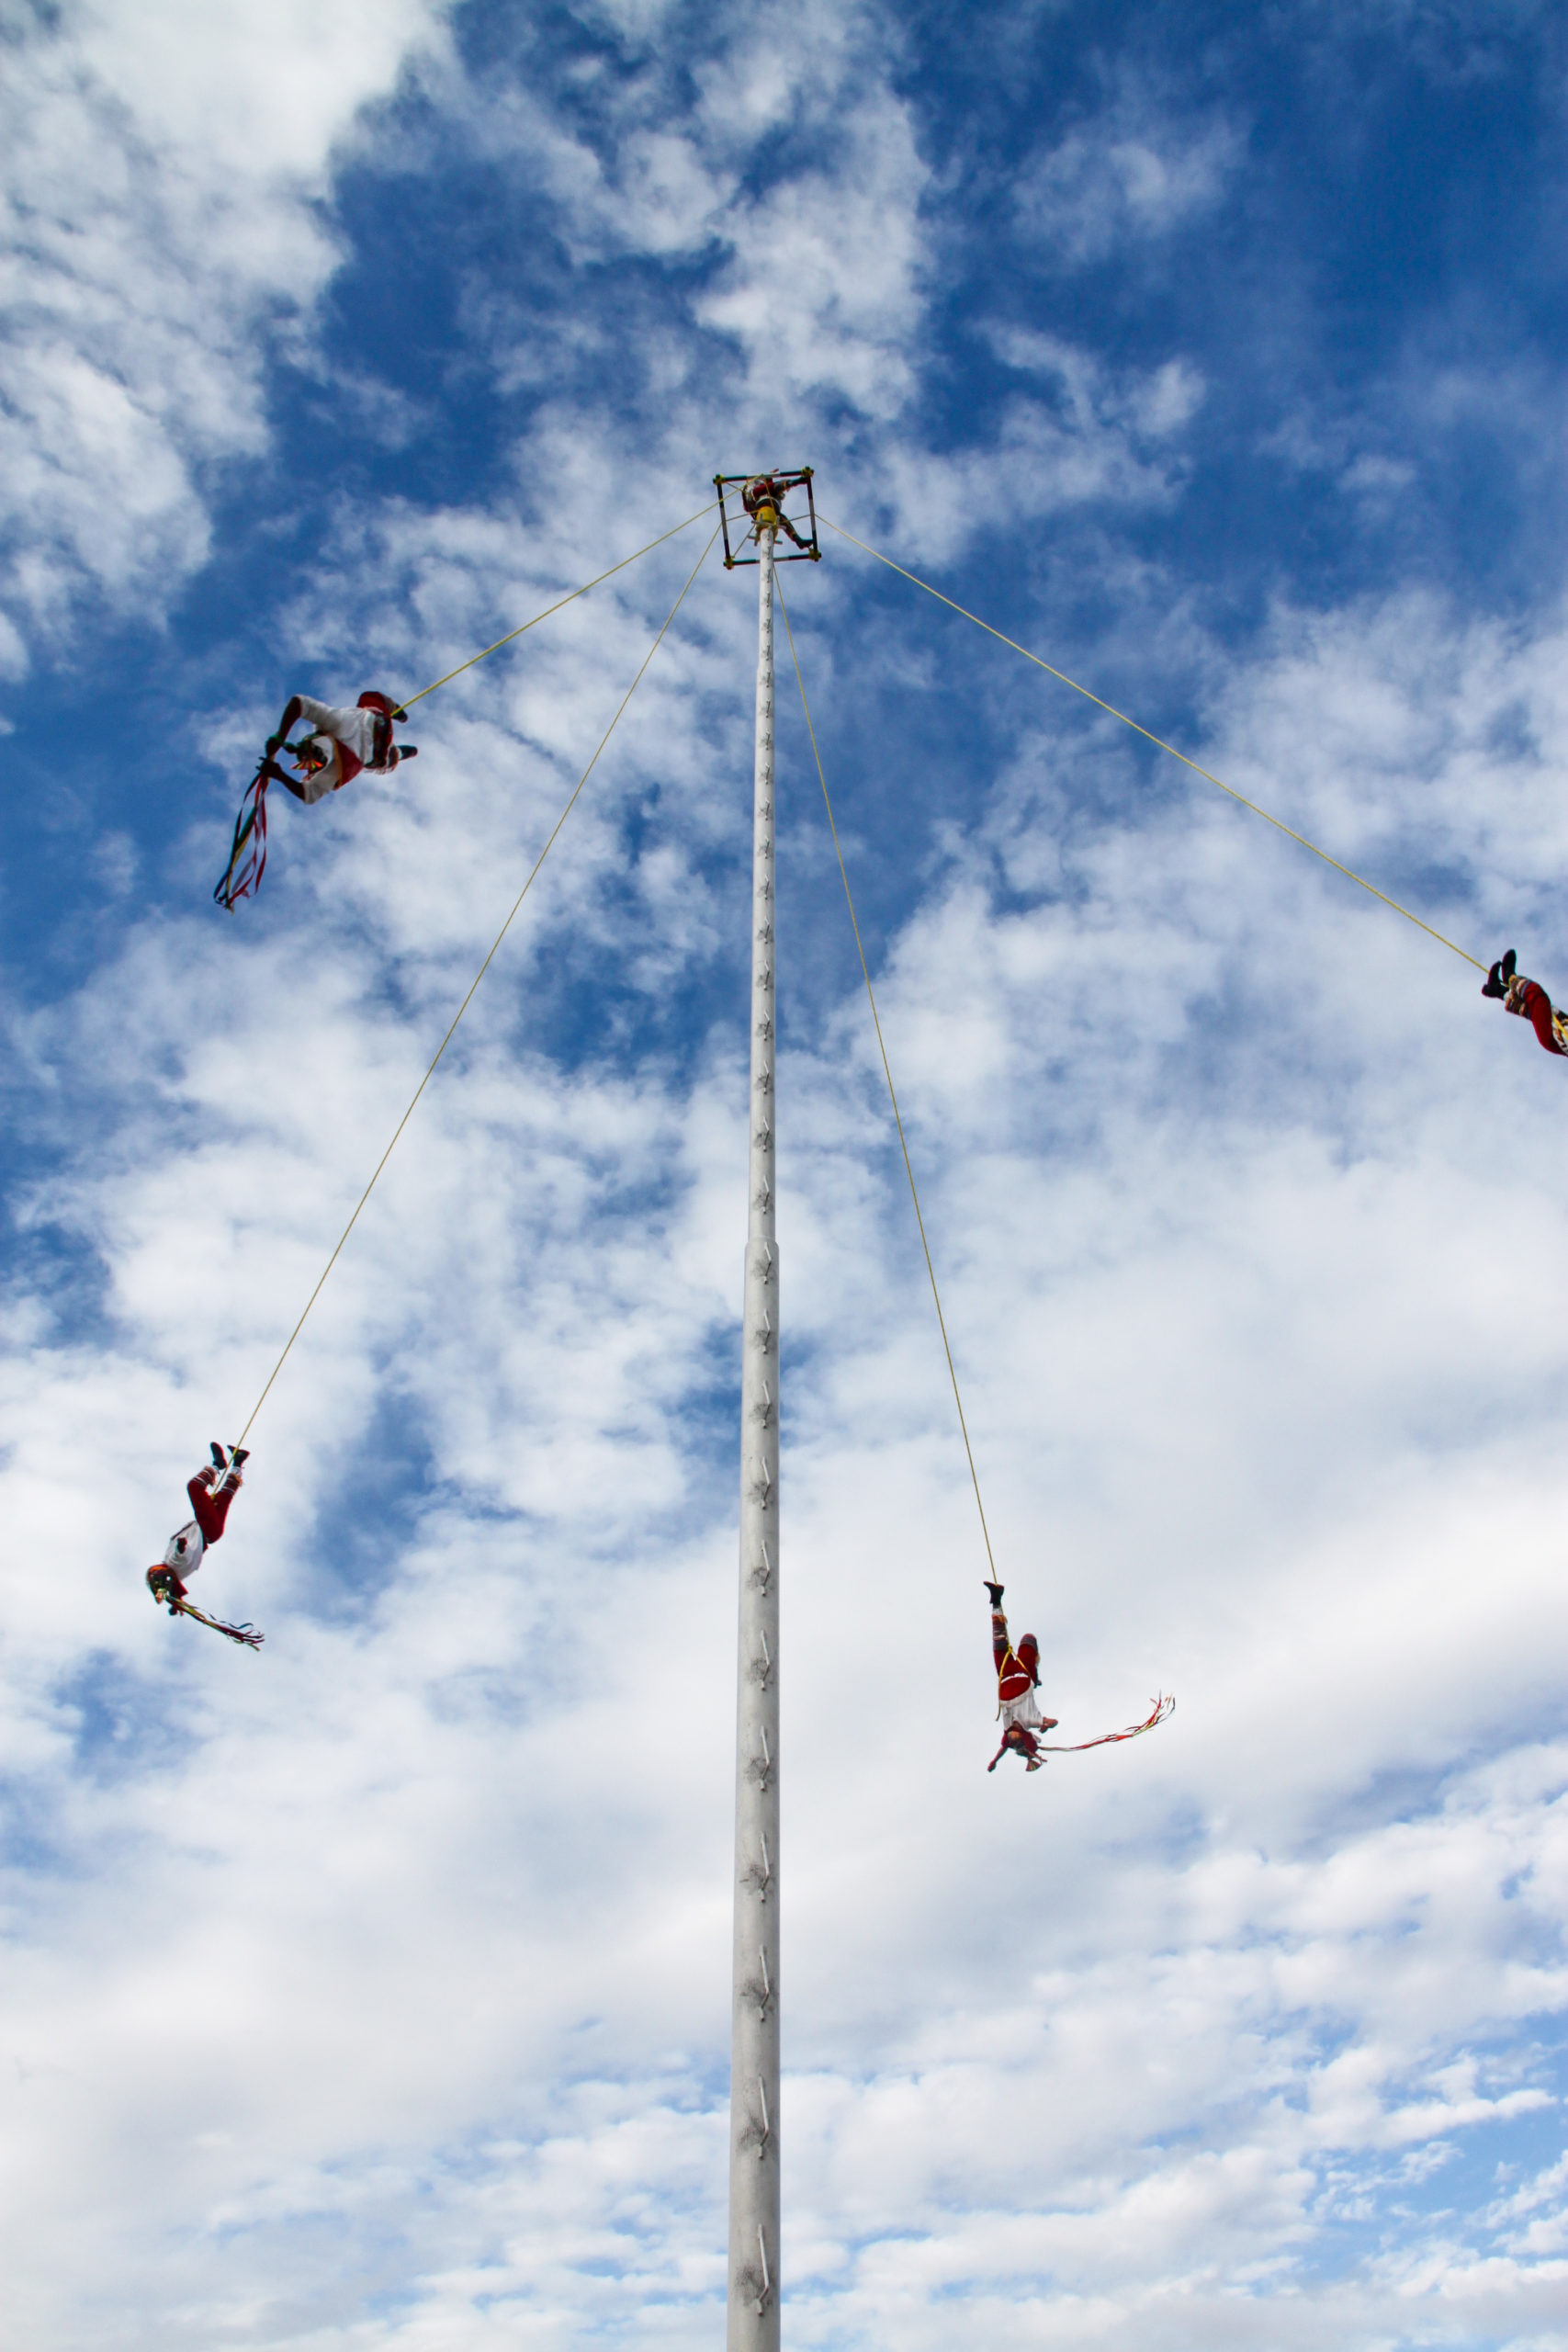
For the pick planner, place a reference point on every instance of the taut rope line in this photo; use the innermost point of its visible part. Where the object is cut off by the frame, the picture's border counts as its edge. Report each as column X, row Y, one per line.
column 892, row 1091
column 484, row 968
column 409, row 700
column 1158, row 740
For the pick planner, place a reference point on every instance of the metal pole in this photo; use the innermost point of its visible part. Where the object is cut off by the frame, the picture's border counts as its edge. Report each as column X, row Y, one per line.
column 754, row 2039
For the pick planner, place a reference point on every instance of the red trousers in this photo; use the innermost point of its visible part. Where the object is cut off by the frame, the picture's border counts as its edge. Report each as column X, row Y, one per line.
column 1536, row 1010
column 210, row 1509
column 1013, row 1675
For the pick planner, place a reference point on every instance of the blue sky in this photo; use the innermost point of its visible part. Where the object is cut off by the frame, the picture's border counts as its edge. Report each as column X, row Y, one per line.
column 371, row 1995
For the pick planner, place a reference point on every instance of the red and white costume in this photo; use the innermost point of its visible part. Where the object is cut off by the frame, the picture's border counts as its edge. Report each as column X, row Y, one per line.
column 211, row 1492
column 1018, row 1680
column 1530, row 1001
column 347, row 741
column 210, row 1500
column 764, row 490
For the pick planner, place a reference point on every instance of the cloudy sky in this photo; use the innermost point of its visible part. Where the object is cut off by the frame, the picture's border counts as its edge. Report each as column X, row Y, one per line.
column 370, row 1995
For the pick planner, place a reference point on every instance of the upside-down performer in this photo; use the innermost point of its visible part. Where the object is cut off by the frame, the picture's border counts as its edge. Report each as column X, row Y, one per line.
column 1018, row 1680
column 1530, row 1001
column 340, row 745
column 763, row 490
column 211, row 1491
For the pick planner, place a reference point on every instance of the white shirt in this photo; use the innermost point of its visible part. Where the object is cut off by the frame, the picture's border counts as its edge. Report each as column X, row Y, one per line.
column 1024, row 1711
column 185, row 1548
column 356, row 730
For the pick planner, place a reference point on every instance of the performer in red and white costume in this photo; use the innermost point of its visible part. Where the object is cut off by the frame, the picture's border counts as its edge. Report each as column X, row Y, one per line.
column 211, row 1492
column 1018, row 1677
column 763, row 490
column 341, row 743
column 1530, row 1001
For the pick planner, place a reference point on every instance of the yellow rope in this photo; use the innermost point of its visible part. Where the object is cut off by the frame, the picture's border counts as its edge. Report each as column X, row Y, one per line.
column 1159, row 741
column 409, row 700
column 892, row 1091
column 478, row 976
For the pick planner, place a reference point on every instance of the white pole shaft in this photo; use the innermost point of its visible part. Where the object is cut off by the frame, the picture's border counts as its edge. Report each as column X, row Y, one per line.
column 754, row 2039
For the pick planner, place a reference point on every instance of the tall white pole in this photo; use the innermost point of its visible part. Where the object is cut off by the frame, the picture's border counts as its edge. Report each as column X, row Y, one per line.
column 754, row 2039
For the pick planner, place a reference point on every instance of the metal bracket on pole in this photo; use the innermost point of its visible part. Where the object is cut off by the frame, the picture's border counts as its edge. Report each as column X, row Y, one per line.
column 760, row 1988
column 759, row 1876
column 754, row 2135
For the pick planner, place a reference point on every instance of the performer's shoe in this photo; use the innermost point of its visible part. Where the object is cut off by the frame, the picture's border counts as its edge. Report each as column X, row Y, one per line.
column 241, row 1454
column 219, row 1459
column 1493, row 983
column 1509, row 962
column 995, row 1591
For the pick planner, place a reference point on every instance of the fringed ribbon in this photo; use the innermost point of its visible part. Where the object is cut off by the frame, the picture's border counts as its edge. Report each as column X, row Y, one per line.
column 247, row 859
column 1162, row 1707
column 245, row 1634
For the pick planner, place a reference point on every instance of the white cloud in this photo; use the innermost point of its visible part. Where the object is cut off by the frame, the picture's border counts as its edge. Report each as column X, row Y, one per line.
column 819, row 273
column 163, row 178
column 1140, row 169
column 822, row 292
column 816, row 277
column 1095, row 436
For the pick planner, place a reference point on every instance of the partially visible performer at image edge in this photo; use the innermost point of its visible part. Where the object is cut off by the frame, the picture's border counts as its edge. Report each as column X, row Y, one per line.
column 1530, row 1001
